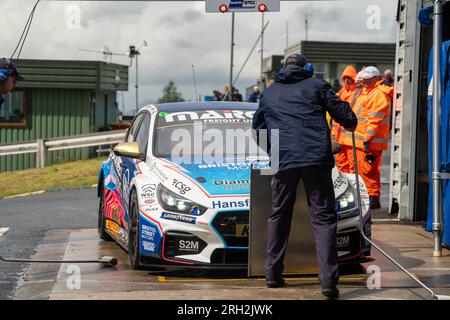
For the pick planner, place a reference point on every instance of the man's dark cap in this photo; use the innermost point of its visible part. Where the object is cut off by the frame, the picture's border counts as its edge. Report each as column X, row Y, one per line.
column 295, row 59
column 6, row 64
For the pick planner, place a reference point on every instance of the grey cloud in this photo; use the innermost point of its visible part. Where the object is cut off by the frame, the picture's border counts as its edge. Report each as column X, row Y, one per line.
column 182, row 44
column 180, row 18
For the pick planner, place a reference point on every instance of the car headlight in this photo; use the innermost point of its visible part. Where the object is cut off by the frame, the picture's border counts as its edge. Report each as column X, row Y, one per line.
column 173, row 202
column 346, row 201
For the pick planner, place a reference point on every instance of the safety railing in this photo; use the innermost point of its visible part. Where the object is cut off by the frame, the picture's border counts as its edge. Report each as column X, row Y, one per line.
column 41, row 146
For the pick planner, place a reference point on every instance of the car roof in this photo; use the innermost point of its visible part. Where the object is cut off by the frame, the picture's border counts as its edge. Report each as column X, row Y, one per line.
column 206, row 105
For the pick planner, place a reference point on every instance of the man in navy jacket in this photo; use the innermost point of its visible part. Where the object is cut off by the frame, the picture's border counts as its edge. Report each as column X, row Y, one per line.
column 8, row 77
column 296, row 106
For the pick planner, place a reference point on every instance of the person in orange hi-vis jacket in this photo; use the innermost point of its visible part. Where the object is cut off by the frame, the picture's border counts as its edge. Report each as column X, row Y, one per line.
column 348, row 93
column 373, row 109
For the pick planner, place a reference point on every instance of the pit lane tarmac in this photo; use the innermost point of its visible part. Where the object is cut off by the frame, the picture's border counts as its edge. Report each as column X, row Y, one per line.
column 410, row 244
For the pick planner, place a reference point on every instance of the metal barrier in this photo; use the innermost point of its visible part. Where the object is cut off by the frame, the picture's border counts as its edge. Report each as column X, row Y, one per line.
column 41, row 146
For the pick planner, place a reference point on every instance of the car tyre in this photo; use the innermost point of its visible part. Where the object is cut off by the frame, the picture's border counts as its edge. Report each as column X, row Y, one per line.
column 102, row 234
column 133, row 234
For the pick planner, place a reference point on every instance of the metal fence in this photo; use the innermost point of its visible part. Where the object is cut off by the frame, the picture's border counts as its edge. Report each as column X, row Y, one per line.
column 41, row 146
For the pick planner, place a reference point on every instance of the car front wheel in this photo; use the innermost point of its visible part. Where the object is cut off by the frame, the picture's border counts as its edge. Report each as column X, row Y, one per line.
column 133, row 234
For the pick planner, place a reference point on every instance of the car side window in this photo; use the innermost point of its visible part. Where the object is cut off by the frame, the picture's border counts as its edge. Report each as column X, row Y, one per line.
column 131, row 134
column 143, row 133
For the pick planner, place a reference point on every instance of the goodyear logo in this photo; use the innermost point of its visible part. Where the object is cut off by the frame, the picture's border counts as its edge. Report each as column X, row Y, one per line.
column 178, row 217
column 242, row 4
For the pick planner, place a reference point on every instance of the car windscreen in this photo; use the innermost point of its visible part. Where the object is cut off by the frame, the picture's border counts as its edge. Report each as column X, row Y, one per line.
column 205, row 133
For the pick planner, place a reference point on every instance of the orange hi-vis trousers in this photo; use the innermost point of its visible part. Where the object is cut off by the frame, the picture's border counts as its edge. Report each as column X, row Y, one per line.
column 369, row 167
column 344, row 159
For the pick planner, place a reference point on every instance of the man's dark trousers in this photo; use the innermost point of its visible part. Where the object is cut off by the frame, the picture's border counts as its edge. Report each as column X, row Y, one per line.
column 320, row 195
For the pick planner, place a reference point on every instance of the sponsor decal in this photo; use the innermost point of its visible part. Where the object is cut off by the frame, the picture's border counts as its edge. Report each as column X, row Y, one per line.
column 339, row 182
column 229, row 166
column 148, row 246
column 188, row 245
column 218, row 204
column 178, row 217
column 195, row 210
column 149, row 201
column 150, row 237
column 112, row 226
column 148, row 191
column 242, row 4
column 343, row 241
column 235, row 187
column 148, row 232
column 233, row 184
column 348, row 214
column 229, row 182
column 149, row 208
column 209, row 116
column 183, row 188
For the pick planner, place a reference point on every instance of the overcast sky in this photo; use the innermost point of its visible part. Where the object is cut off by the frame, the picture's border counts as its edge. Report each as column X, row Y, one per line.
column 180, row 34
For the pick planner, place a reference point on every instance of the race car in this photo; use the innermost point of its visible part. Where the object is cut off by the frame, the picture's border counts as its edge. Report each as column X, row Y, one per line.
column 168, row 205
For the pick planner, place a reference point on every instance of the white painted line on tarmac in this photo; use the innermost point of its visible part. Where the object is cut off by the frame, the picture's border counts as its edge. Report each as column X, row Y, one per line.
column 25, row 194
column 430, row 269
column 386, row 220
column 3, row 231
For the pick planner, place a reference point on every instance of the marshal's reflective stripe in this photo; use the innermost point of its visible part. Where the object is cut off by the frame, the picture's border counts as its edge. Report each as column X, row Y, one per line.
column 363, row 120
column 357, row 137
column 376, row 114
column 386, row 121
column 379, row 140
column 371, row 133
column 358, row 111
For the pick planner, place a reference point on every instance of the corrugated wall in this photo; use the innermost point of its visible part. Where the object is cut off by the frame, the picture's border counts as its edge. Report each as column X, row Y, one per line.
column 318, row 51
column 52, row 113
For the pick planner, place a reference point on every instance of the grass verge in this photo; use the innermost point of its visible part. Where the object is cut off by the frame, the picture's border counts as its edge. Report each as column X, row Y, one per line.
column 71, row 174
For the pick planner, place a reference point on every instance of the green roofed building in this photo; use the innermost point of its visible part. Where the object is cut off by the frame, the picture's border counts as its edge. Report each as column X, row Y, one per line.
column 331, row 58
column 59, row 99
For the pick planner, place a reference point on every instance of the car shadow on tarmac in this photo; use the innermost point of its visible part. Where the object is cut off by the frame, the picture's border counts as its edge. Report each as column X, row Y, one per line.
column 344, row 270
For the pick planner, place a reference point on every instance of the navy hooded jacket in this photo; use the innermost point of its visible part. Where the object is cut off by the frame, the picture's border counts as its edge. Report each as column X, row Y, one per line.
column 296, row 104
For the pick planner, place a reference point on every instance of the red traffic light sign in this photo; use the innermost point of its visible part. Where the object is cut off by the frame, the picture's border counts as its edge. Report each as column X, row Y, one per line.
column 262, row 7
column 223, row 8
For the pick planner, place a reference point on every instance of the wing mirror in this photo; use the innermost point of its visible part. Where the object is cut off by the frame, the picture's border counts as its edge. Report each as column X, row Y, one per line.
column 128, row 149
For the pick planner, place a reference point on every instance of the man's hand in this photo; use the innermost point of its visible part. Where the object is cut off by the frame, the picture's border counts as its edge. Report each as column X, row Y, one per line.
column 366, row 145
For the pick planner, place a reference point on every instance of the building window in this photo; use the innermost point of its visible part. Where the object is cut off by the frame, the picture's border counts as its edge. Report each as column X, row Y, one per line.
column 14, row 110
column 321, row 70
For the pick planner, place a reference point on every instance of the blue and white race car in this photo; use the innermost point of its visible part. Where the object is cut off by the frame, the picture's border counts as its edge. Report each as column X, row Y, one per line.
column 193, row 213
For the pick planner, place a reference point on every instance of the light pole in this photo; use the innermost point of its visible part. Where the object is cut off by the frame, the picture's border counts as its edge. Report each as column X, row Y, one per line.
column 229, row 93
column 437, row 174
column 135, row 54
column 261, row 84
